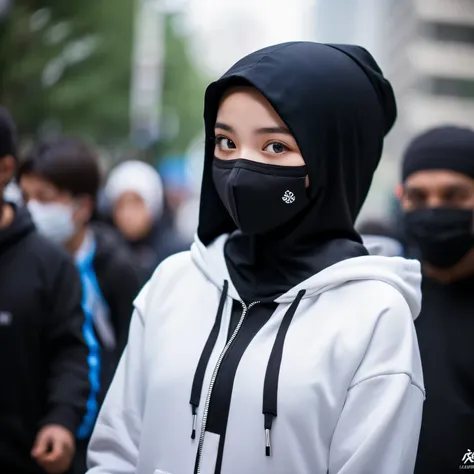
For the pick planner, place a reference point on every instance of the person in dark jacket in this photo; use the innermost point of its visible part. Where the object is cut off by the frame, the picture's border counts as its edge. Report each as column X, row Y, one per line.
column 438, row 204
column 60, row 181
column 43, row 355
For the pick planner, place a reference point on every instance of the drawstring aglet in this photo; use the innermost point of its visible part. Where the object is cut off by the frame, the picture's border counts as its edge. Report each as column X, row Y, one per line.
column 268, row 446
column 193, row 432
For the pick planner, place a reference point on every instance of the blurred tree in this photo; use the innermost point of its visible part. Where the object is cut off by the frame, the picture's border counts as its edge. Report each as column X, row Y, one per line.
column 92, row 95
column 66, row 68
column 183, row 91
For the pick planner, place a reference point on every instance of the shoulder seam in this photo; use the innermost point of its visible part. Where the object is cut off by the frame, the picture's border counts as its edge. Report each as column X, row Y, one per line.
column 415, row 384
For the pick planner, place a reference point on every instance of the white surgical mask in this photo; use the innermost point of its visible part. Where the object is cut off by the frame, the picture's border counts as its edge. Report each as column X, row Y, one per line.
column 53, row 220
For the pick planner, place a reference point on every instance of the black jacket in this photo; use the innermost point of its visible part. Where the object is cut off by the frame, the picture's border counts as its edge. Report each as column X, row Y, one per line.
column 43, row 356
column 444, row 329
column 119, row 282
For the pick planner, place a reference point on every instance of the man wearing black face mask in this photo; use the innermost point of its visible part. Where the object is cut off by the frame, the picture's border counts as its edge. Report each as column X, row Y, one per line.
column 438, row 205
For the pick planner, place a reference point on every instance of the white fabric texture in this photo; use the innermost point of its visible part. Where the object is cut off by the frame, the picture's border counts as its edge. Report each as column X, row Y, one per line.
column 140, row 178
column 350, row 391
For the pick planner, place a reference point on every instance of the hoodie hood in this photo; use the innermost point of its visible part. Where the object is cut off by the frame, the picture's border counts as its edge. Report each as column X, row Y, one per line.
column 338, row 106
column 402, row 274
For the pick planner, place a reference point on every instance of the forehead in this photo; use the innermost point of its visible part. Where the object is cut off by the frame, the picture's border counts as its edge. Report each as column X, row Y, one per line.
column 37, row 187
column 35, row 183
column 129, row 197
column 436, row 180
column 248, row 102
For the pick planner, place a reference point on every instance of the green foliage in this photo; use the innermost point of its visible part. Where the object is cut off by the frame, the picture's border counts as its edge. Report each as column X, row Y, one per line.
column 66, row 67
column 183, row 94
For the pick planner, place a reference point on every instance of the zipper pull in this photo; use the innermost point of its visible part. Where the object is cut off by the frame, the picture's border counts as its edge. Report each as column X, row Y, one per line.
column 193, row 431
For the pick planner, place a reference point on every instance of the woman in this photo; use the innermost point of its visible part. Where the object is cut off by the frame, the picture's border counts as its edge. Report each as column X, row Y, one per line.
column 277, row 345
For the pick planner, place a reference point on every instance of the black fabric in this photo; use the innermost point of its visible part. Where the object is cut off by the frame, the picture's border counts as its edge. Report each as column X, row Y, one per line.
column 79, row 465
column 338, row 106
column 219, row 407
column 445, row 328
column 262, row 269
column 443, row 236
column 196, row 389
column 43, row 357
column 120, row 283
column 234, row 318
column 446, row 148
column 272, row 375
column 260, row 197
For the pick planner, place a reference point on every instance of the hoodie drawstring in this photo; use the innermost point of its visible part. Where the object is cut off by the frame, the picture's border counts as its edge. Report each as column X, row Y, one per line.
column 204, row 359
column 270, row 387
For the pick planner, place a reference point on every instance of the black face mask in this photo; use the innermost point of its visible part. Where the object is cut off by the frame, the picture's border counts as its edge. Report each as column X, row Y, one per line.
column 443, row 235
column 260, row 197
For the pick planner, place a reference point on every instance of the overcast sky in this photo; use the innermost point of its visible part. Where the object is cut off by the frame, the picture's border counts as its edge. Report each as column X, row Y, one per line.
column 229, row 29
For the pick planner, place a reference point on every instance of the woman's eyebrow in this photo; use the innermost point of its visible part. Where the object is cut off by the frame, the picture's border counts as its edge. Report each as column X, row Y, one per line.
column 265, row 130
column 224, row 126
column 260, row 131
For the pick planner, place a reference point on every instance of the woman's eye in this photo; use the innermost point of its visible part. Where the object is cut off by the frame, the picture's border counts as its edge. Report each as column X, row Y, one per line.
column 225, row 143
column 276, row 147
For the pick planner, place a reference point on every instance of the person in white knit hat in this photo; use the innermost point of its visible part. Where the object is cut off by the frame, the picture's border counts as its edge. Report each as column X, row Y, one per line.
column 135, row 196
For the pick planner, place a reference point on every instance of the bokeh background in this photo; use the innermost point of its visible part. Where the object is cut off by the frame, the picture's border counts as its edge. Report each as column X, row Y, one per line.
column 129, row 75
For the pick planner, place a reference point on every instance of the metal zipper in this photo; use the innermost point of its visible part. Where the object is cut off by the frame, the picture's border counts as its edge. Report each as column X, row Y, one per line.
column 245, row 311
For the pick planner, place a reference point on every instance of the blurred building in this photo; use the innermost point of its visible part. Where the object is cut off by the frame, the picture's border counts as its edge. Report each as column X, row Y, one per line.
column 226, row 30
column 350, row 21
column 426, row 49
column 428, row 53
column 361, row 22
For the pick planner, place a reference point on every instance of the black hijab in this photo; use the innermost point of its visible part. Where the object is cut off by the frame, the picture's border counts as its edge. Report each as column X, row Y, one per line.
column 338, row 106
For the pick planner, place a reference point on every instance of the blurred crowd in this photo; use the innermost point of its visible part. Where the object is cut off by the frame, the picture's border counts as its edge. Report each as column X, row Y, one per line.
column 116, row 229
column 153, row 213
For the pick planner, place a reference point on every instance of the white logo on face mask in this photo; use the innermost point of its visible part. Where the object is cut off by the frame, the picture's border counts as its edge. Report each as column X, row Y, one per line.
column 288, row 197
column 467, row 460
column 53, row 220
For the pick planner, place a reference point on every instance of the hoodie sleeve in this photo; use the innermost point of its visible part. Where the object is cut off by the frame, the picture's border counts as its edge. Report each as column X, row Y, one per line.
column 379, row 426
column 114, row 443
column 68, row 381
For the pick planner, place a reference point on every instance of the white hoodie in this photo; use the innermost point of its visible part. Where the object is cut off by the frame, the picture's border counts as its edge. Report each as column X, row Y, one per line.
column 350, row 390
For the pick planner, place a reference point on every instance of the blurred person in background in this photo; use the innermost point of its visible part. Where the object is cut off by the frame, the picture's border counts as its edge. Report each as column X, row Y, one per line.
column 12, row 194
column 437, row 198
column 135, row 196
column 277, row 345
column 43, row 356
column 380, row 238
column 60, row 180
